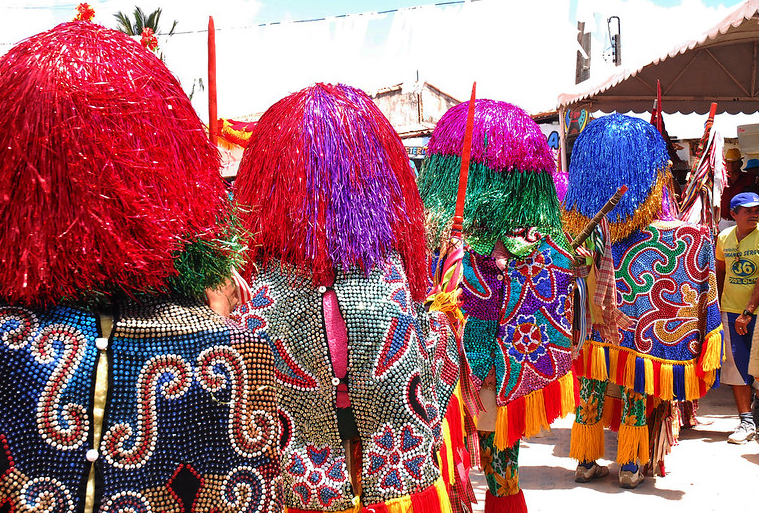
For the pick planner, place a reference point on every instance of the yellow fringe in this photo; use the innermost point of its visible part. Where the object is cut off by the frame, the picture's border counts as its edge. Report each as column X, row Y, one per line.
column 450, row 478
column 648, row 367
column 586, row 442
column 501, row 428
column 633, row 444
column 666, row 382
column 613, row 363
column 710, row 363
column 598, row 369
column 691, row 383
column 709, row 378
column 630, row 371
column 447, row 302
column 713, row 356
column 573, row 222
column 535, row 411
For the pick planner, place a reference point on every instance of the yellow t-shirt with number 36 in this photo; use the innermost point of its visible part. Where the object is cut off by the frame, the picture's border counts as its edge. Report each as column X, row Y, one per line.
column 741, row 268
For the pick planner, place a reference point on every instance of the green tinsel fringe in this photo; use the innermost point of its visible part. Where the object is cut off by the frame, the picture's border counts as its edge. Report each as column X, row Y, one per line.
column 497, row 203
column 207, row 264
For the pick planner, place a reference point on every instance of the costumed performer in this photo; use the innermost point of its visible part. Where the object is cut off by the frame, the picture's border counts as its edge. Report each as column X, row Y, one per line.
column 120, row 389
column 338, row 277
column 668, row 345
column 517, row 283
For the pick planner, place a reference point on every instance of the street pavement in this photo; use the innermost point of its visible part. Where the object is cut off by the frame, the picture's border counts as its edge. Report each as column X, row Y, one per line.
column 704, row 472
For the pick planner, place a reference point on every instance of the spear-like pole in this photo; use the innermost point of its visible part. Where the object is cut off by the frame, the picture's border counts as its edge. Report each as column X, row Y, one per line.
column 213, row 121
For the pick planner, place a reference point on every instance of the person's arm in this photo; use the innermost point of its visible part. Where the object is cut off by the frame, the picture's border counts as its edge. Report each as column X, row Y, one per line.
column 741, row 323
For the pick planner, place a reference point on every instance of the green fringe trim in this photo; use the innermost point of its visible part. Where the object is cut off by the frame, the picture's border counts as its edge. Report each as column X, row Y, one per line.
column 207, row 264
column 497, row 203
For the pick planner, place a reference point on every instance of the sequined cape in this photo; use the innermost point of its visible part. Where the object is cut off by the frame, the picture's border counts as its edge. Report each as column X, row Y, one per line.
column 667, row 285
column 189, row 425
column 519, row 324
column 402, row 369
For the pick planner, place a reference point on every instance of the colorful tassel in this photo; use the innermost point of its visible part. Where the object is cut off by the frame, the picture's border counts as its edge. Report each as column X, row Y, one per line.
column 328, row 185
column 598, row 366
column 712, row 351
column 586, row 442
column 633, row 445
column 527, row 415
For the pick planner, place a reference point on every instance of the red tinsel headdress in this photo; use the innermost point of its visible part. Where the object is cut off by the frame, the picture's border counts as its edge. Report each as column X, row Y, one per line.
column 105, row 171
column 330, row 186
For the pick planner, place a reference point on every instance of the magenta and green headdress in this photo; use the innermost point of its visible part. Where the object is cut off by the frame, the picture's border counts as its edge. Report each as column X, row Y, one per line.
column 612, row 151
column 329, row 187
column 510, row 183
column 108, row 184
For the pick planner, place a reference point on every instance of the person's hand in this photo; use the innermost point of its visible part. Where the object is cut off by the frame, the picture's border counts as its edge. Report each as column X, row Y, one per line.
column 741, row 324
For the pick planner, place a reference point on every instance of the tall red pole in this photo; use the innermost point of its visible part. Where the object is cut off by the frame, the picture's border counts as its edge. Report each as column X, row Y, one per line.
column 213, row 120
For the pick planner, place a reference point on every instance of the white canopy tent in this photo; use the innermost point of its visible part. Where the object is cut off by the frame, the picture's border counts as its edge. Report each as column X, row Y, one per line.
column 719, row 66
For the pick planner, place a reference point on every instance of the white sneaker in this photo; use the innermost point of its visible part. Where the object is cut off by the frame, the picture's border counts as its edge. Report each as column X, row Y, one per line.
column 584, row 474
column 629, row 479
column 742, row 434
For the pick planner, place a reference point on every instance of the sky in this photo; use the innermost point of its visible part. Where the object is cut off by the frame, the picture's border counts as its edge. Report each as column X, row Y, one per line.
column 518, row 51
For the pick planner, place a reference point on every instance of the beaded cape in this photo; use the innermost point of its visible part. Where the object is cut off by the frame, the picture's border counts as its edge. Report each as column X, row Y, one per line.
column 402, row 369
column 517, row 319
column 190, row 420
column 664, row 269
column 666, row 284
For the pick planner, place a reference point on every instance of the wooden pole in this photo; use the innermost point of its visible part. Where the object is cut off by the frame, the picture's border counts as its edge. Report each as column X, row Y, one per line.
column 213, row 120
column 597, row 218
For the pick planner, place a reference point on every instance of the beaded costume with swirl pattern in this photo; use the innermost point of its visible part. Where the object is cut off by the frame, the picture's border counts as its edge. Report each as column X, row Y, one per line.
column 190, row 420
column 667, row 285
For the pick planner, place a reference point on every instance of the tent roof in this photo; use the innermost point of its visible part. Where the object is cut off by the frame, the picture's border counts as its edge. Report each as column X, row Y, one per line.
column 718, row 66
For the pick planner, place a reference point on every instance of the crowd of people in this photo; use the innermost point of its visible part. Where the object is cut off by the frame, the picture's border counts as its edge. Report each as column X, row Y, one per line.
column 334, row 333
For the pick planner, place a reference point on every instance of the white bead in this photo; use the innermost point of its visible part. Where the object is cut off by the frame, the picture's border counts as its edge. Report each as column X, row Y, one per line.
column 335, row 381
column 101, row 343
column 500, row 277
column 92, row 455
column 322, row 289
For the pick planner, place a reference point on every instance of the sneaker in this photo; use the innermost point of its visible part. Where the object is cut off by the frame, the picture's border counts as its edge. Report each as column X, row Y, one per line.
column 742, row 434
column 629, row 479
column 755, row 408
column 585, row 474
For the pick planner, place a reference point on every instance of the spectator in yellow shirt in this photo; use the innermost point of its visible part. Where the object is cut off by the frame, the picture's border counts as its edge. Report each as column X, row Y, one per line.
column 737, row 256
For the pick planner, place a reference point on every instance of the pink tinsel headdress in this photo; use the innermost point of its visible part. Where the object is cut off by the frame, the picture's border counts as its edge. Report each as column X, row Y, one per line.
column 330, row 186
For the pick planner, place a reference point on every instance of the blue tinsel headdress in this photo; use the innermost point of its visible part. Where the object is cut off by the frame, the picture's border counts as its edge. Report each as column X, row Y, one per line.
column 612, row 151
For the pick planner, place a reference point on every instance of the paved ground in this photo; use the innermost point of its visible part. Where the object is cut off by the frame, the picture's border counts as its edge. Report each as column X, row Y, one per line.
column 704, row 472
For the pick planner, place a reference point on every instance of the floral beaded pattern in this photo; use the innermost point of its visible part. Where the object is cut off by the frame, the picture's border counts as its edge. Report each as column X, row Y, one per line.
column 518, row 319
column 402, row 370
column 47, row 362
